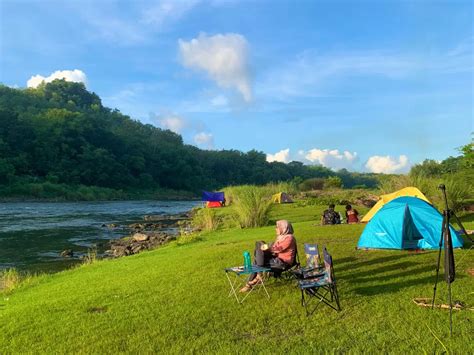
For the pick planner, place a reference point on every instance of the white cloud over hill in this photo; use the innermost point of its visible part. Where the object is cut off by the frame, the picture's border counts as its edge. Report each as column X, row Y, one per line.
column 330, row 158
column 76, row 75
column 387, row 164
column 283, row 156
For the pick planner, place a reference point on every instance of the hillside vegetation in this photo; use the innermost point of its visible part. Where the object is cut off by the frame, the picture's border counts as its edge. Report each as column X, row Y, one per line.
column 175, row 300
column 60, row 135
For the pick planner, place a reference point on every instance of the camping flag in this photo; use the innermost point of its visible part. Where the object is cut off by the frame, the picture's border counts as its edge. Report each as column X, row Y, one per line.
column 213, row 196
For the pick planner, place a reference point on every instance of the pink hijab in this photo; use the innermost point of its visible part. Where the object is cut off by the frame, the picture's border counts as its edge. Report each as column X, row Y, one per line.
column 284, row 228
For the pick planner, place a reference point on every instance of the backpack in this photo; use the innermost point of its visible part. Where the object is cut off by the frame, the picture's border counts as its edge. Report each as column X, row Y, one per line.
column 331, row 217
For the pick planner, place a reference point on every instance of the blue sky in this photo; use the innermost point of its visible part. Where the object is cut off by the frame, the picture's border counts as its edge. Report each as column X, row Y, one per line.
column 365, row 85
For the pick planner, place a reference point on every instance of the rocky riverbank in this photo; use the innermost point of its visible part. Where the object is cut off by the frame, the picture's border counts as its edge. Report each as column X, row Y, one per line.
column 152, row 232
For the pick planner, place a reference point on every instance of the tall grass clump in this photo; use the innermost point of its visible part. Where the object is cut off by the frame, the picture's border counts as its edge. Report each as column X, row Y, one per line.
column 11, row 279
column 252, row 205
column 205, row 219
column 91, row 256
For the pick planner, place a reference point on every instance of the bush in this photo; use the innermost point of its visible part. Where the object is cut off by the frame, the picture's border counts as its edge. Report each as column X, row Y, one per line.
column 252, row 205
column 188, row 239
column 333, row 182
column 312, row 184
column 206, row 219
column 11, row 279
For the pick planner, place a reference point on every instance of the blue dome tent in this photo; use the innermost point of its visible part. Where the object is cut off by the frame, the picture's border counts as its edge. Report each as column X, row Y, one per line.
column 405, row 223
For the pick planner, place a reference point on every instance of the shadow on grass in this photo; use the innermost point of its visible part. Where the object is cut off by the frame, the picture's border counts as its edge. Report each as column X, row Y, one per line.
column 392, row 287
column 376, row 261
column 402, row 266
column 466, row 218
column 382, row 278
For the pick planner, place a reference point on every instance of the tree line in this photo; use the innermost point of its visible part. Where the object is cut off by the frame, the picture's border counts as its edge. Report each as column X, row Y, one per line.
column 61, row 133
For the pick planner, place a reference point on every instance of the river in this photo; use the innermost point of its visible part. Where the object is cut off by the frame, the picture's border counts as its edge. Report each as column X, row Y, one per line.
column 33, row 234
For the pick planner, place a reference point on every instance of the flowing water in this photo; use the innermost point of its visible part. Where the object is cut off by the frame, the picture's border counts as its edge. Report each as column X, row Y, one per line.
column 33, row 234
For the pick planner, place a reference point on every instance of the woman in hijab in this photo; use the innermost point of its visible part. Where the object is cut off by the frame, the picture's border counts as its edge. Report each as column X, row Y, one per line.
column 279, row 255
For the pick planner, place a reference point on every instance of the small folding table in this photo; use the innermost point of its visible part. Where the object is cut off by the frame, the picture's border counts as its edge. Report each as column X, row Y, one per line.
column 241, row 276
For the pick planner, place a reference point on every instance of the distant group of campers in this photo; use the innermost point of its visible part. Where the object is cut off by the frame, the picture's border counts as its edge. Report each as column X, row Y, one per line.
column 331, row 216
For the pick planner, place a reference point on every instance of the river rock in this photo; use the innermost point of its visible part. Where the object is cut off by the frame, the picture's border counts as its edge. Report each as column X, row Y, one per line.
column 140, row 237
column 67, row 253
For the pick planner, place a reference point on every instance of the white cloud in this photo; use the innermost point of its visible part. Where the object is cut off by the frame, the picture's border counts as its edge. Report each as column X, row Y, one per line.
column 172, row 122
column 76, row 75
column 219, row 101
column 387, row 164
column 166, row 11
column 333, row 159
column 282, row 156
column 224, row 57
column 204, row 139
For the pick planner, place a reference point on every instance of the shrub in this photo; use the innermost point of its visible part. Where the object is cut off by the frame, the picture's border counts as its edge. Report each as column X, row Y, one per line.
column 91, row 256
column 333, row 182
column 312, row 184
column 205, row 219
column 188, row 239
column 11, row 279
column 252, row 205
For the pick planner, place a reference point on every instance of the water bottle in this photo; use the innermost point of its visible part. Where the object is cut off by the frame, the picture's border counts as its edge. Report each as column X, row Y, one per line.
column 247, row 261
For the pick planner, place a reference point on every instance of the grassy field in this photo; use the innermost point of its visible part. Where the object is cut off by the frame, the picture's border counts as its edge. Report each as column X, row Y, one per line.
column 174, row 300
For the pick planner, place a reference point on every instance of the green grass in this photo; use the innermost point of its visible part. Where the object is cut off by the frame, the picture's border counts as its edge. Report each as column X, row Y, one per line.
column 174, row 300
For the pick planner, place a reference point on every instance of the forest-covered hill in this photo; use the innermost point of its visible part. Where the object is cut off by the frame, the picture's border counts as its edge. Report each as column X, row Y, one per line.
column 60, row 133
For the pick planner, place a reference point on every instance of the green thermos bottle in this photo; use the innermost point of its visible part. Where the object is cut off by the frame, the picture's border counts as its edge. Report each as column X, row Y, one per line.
column 247, row 261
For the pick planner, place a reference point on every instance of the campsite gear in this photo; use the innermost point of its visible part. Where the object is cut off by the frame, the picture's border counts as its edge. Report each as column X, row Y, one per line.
column 449, row 266
column 247, row 260
column 384, row 199
column 213, row 204
column 320, row 287
column 427, row 302
column 313, row 263
column 405, row 223
column 281, row 197
column 240, row 278
column 213, row 196
column 213, row 199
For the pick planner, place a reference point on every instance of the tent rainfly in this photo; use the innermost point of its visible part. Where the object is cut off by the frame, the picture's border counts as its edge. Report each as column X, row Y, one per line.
column 405, row 223
column 281, row 197
column 407, row 191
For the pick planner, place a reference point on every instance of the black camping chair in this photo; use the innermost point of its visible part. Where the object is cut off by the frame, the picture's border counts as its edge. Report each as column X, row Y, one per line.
column 320, row 288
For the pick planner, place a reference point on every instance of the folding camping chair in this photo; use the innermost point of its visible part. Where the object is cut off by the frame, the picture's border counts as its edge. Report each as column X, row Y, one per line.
column 319, row 287
column 313, row 263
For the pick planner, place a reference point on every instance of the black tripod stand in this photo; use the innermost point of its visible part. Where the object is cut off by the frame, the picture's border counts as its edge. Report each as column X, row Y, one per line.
column 449, row 267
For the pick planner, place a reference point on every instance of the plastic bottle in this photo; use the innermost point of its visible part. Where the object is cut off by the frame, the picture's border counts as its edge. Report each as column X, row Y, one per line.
column 247, row 261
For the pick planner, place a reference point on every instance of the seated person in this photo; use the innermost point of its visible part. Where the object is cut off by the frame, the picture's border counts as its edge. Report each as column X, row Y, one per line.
column 330, row 216
column 279, row 255
column 352, row 216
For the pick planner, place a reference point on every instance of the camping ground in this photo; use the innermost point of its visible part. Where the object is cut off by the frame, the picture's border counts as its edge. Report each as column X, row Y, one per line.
column 174, row 300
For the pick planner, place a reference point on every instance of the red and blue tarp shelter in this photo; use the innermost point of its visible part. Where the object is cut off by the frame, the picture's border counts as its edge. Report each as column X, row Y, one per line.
column 213, row 199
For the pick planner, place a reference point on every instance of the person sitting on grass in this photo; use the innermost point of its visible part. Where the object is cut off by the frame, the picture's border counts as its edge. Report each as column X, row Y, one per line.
column 330, row 216
column 352, row 216
column 279, row 255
